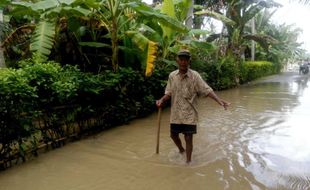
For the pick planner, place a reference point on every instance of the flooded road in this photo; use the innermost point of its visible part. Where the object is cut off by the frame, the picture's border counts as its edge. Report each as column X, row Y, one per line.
column 261, row 142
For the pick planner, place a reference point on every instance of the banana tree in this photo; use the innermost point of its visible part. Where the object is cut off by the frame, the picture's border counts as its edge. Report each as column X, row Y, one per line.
column 110, row 14
column 170, row 40
column 120, row 17
column 45, row 14
column 125, row 20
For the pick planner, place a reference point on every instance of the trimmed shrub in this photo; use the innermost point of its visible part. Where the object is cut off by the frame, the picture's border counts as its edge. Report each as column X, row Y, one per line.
column 251, row 70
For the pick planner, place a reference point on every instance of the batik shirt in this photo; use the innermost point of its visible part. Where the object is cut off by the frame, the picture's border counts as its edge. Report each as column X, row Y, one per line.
column 184, row 90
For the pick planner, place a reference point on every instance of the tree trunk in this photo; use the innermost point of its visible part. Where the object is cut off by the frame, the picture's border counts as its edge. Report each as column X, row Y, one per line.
column 2, row 61
column 114, row 39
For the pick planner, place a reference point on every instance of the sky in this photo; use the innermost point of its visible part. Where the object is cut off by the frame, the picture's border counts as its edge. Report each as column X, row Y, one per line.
column 297, row 14
column 291, row 13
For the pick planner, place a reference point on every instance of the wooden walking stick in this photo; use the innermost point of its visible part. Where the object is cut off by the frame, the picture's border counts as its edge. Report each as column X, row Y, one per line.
column 158, row 129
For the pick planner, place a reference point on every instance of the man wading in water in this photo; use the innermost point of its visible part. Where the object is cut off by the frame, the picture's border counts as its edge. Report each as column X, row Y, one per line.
column 183, row 87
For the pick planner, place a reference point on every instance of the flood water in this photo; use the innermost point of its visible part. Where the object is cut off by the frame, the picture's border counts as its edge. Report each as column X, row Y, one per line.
column 261, row 142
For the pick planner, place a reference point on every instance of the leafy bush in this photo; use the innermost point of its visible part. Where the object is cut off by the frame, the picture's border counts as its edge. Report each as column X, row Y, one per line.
column 53, row 84
column 16, row 109
column 222, row 74
column 50, row 99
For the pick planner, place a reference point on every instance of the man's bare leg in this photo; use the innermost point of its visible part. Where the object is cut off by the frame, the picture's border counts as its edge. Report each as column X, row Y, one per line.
column 189, row 147
column 176, row 139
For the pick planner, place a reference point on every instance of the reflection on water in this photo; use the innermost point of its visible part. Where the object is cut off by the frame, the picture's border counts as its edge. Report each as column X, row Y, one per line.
column 261, row 142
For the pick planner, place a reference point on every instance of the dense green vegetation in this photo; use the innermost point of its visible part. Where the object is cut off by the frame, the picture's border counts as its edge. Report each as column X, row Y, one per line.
column 55, row 102
column 79, row 66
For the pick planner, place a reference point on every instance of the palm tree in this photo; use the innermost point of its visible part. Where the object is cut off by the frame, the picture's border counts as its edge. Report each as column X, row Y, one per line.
column 261, row 24
column 235, row 18
column 287, row 47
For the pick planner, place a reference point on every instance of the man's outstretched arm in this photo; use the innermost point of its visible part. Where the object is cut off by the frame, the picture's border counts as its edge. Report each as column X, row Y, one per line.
column 218, row 100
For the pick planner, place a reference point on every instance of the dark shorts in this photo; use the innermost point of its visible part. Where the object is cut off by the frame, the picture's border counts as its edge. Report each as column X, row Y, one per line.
column 183, row 128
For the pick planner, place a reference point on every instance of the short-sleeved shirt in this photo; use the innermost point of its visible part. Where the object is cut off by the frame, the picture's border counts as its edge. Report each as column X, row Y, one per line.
column 184, row 90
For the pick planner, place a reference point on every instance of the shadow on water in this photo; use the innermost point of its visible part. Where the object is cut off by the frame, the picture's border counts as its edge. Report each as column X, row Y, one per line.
column 261, row 142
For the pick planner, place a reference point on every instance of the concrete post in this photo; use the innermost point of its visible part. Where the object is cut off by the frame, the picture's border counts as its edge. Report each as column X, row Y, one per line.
column 190, row 13
column 253, row 42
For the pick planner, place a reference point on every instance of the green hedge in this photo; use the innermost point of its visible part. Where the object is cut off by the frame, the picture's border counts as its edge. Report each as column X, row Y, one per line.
column 227, row 72
column 251, row 70
column 54, row 102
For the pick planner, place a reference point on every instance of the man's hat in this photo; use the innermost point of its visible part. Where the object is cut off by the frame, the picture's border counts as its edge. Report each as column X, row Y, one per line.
column 184, row 52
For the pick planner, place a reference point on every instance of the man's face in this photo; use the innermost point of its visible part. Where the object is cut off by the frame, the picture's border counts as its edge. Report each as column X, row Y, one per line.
column 183, row 62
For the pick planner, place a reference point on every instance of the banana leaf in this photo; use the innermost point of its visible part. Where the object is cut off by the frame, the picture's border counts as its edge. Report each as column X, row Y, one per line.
column 43, row 37
column 217, row 16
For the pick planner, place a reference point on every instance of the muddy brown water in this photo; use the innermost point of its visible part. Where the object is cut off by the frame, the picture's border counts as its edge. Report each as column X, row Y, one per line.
column 261, row 142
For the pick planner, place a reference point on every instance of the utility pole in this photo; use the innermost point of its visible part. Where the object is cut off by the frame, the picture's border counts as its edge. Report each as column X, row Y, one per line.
column 253, row 42
column 156, row 1
column 2, row 61
column 189, row 18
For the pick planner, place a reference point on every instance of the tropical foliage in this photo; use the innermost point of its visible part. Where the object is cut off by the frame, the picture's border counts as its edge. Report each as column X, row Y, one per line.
column 105, row 22
column 235, row 16
column 95, row 34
